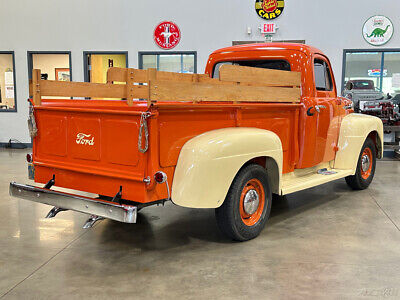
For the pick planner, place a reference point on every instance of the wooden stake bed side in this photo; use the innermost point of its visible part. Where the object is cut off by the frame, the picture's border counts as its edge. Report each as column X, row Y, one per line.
column 236, row 84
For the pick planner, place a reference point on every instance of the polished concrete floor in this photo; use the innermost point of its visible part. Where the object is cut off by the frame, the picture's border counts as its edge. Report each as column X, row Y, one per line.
column 324, row 243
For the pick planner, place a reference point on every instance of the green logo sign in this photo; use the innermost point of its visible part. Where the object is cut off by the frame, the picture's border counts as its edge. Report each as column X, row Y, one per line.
column 378, row 30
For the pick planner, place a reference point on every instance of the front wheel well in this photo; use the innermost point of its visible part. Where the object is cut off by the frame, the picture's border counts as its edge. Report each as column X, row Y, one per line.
column 378, row 143
column 272, row 170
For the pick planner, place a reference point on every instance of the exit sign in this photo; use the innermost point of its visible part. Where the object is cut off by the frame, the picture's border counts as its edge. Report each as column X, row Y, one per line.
column 268, row 28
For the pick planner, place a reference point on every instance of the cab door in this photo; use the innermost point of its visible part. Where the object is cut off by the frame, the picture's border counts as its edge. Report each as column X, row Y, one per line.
column 326, row 109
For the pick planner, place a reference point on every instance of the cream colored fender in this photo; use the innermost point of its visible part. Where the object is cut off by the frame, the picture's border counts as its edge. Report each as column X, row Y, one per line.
column 354, row 129
column 208, row 163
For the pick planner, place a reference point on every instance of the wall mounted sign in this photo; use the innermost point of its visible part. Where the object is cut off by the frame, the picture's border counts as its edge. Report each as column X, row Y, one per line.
column 268, row 28
column 269, row 9
column 167, row 35
column 378, row 30
column 377, row 72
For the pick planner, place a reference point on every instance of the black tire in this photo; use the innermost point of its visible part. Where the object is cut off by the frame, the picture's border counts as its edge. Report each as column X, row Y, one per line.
column 229, row 216
column 358, row 181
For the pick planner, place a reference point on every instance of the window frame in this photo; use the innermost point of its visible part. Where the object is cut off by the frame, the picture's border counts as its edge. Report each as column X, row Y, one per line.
column 15, row 109
column 142, row 53
column 30, row 60
column 86, row 65
column 328, row 72
column 359, row 50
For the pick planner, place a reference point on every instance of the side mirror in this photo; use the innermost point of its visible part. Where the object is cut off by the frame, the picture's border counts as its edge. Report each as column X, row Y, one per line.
column 349, row 85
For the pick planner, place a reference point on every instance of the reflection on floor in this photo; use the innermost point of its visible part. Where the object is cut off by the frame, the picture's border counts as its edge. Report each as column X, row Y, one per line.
column 325, row 242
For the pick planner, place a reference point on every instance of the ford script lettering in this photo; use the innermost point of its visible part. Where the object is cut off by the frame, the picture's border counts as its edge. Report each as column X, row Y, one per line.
column 84, row 139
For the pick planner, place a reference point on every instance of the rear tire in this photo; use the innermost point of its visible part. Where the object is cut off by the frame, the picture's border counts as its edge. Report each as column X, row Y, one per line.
column 365, row 167
column 247, row 205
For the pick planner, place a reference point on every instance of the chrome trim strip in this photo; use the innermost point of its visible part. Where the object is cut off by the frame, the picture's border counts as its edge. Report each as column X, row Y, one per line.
column 102, row 208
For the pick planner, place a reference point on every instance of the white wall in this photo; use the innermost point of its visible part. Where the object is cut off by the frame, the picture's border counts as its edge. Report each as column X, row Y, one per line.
column 78, row 25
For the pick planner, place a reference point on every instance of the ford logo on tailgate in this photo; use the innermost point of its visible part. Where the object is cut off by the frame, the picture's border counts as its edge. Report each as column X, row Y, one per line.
column 84, row 139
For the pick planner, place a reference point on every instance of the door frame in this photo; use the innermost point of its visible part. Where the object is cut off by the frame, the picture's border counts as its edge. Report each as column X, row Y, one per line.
column 381, row 50
column 86, row 65
column 141, row 53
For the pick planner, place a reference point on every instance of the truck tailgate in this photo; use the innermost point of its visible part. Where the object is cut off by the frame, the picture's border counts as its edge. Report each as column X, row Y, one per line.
column 90, row 145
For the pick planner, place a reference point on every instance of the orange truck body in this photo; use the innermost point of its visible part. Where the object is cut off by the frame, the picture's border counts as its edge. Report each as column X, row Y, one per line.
column 66, row 129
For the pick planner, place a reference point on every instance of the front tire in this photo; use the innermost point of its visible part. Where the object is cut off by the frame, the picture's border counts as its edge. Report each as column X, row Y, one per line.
column 247, row 205
column 365, row 168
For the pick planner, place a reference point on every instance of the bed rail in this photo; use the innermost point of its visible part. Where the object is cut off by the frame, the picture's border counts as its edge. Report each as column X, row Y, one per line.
column 235, row 84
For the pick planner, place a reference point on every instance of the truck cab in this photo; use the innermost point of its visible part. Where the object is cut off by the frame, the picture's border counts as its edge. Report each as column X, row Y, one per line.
column 321, row 109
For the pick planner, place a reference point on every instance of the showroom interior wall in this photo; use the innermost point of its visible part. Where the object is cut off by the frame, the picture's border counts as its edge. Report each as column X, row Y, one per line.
column 127, row 25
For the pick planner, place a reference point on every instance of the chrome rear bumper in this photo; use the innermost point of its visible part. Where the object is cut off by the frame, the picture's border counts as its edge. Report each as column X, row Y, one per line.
column 97, row 207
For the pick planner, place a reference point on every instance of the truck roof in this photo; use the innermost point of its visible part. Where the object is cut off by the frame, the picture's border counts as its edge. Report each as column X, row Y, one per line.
column 270, row 46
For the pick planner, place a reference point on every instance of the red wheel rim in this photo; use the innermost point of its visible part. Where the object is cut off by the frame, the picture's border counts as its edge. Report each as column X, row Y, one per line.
column 252, row 202
column 366, row 163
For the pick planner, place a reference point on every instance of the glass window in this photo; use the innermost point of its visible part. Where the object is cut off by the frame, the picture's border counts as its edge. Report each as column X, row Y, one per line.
column 377, row 70
column 322, row 75
column 149, row 61
column 174, row 62
column 391, row 73
column 265, row 64
column 99, row 63
column 188, row 63
column 7, row 82
column 52, row 65
column 363, row 67
column 170, row 63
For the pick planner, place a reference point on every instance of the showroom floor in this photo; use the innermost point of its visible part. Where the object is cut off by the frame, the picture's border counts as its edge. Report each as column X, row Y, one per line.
column 326, row 242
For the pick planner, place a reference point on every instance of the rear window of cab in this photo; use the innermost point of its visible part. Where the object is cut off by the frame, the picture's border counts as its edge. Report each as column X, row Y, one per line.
column 273, row 64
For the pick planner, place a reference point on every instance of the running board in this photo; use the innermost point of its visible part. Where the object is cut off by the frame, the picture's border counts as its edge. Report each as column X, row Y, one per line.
column 292, row 183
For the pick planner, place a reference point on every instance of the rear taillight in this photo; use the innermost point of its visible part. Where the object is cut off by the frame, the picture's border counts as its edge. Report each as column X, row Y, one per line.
column 160, row 177
column 29, row 158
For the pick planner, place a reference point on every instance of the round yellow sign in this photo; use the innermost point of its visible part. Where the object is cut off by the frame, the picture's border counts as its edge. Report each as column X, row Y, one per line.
column 269, row 9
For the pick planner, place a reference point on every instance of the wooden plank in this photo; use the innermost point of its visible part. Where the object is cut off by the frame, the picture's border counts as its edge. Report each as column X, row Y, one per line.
column 141, row 76
column 185, row 91
column 119, row 74
column 30, row 88
column 164, row 76
column 259, row 76
column 87, row 89
column 36, row 88
column 209, row 80
column 129, row 86
column 151, row 77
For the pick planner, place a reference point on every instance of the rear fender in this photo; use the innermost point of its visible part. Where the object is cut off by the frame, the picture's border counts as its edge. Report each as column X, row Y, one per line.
column 208, row 163
column 354, row 130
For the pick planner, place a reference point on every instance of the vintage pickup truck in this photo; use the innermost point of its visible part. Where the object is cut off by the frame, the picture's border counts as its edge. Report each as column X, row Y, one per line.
column 265, row 119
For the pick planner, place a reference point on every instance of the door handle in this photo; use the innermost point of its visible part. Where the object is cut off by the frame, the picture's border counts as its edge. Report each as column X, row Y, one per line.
column 317, row 109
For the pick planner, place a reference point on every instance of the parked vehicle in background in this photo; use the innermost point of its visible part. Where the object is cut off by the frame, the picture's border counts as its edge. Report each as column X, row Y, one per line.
column 363, row 94
column 265, row 119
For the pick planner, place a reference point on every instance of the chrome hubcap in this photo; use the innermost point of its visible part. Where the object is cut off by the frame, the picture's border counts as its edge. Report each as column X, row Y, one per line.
column 365, row 163
column 251, row 201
